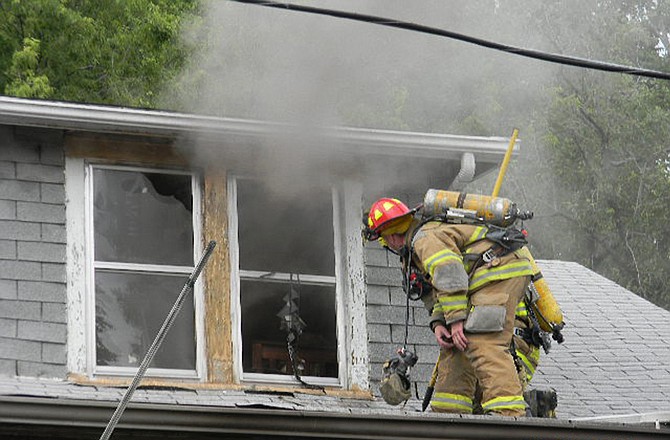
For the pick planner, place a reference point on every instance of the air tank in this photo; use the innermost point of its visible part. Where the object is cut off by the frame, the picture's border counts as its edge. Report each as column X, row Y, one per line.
column 547, row 310
column 494, row 210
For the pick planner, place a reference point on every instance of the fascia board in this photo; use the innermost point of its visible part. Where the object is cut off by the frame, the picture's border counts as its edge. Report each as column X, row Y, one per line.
column 123, row 120
column 143, row 419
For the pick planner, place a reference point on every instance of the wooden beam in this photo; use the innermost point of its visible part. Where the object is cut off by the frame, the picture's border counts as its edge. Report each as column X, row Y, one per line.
column 218, row 328
column 122, row 149
column 118, row 382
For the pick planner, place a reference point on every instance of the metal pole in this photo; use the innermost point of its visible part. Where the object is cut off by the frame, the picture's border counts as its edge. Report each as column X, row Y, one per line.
column 148, row 358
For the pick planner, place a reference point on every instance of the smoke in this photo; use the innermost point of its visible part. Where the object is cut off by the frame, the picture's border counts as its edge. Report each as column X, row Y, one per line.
column 310, row 72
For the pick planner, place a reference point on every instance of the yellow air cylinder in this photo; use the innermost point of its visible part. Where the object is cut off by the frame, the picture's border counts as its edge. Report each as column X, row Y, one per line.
column 495, row 210
column 549, row 314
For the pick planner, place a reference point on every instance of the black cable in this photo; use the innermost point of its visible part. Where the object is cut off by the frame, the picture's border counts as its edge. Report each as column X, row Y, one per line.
column 529, row 53
column 292, row 340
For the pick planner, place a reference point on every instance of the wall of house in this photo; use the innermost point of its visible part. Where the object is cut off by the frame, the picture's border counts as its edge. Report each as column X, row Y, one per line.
column 32, row 253
column 33, row 328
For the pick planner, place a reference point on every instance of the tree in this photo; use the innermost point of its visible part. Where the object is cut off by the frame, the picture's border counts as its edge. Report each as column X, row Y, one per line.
column 593, row 162
column 91, row 51
column 605, row 140
column 24, row 80
column 608, row 146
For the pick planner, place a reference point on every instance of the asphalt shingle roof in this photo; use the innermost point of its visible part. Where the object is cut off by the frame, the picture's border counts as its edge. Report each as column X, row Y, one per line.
column 616, row 354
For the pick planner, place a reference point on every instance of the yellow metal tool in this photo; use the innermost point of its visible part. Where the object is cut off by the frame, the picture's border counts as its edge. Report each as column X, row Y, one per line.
column 505, row 163
column 431, row 386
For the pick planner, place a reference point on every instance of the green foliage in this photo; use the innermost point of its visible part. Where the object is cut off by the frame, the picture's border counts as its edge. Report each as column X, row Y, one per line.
column 607, row 139
column 25, row 82
column 97, row 51
column 594, row 155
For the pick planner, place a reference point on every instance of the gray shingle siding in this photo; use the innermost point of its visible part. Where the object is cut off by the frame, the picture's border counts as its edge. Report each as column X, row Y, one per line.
column 17, row 230
column 7, row 249
column 386, row 317
column 7, row 328
column 32, row 253
column 7, row 209
column 20, row 190
column 8, row 289
column 42, row 292
column 7, row 170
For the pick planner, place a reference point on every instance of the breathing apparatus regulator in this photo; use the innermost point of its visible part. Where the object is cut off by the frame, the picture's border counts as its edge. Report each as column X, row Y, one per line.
column 395, row 383
column 415, row 283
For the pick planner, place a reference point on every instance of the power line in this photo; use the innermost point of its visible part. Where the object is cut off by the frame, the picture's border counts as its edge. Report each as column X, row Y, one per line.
column 529, row 53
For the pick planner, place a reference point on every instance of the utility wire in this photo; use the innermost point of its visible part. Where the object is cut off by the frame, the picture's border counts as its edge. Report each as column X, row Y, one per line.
column 529, row 53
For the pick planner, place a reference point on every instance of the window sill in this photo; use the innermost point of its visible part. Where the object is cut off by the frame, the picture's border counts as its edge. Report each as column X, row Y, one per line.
column 116, row 382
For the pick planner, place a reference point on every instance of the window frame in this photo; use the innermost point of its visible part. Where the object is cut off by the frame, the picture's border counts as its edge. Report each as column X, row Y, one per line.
column 81, row 317
column 220, row 315
column 238, row 274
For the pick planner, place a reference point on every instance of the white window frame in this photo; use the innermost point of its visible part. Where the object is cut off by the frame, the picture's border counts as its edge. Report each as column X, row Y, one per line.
column 81, row 269
column 238, row 274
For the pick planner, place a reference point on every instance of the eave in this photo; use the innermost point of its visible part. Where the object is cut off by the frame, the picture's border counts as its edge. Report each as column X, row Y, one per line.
column 122, row 120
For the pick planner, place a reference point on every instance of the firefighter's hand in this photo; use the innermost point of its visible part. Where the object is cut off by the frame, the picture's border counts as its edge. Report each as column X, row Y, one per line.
column 443, row 337
column 457, row 334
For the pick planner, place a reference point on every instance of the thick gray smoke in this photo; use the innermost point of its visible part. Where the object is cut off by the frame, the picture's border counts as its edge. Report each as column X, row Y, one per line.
column 262, row 63
column 314, row 71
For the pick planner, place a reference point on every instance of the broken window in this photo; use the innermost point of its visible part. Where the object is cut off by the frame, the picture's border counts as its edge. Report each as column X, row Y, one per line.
column 143, row 235
column 286, row 282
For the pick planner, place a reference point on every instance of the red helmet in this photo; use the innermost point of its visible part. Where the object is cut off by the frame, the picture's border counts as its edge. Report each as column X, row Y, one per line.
column 382, row 214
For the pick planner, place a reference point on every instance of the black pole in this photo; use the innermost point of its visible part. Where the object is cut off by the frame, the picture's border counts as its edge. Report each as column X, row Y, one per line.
column 149, row 356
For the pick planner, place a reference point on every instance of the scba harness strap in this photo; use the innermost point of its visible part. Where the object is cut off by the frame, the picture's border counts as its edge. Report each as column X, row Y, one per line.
column 505, row 241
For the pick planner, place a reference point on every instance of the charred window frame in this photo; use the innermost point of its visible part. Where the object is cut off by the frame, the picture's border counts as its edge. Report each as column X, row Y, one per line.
column 299, row 274
column 133, row 282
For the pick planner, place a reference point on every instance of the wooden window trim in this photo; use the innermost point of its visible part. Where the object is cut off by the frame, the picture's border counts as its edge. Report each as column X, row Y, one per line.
column 218, row 327
column 216, row 277
column 124, row 150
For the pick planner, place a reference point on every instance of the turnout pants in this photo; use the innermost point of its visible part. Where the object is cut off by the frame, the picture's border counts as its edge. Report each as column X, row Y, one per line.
column 486, row 360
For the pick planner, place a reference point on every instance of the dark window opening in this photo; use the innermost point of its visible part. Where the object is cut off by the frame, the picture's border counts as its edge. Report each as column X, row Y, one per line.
column 287, row 264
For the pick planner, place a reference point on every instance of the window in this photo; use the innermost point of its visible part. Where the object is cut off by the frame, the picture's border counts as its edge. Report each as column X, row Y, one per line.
column 286, row 279
column 143, row 237
column 133, row 236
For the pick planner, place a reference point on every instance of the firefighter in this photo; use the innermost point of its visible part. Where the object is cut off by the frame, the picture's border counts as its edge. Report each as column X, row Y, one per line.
column 477, row 286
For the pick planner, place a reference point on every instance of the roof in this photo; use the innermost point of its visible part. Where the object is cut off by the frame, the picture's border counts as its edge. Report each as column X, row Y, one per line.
column 53, row 409
column 124, row 120
column 615, row 358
